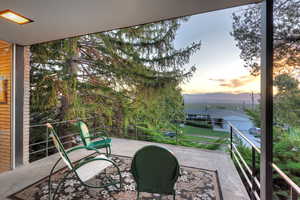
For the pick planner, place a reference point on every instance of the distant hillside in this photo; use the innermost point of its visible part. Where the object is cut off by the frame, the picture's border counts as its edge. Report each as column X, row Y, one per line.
column 222, row 98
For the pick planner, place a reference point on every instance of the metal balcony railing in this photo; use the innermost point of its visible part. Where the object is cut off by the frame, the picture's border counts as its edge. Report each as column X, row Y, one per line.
column 43, row 148
column 250, row 173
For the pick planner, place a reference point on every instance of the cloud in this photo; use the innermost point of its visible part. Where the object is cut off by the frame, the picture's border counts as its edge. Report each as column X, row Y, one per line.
column 236, row 82
column 218, row 79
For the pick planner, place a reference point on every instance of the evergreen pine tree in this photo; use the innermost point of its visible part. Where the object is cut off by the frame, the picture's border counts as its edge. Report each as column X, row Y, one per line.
column 124, row 75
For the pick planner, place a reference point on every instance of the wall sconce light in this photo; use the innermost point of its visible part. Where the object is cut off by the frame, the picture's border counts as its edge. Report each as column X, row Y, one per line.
column 3, row 90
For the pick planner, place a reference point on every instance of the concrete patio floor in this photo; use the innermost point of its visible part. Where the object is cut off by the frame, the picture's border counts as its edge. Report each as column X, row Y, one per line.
column 232, row 187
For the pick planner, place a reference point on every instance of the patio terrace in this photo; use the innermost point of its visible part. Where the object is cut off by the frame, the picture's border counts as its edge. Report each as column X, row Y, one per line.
column 231, row 185
column 53, row 20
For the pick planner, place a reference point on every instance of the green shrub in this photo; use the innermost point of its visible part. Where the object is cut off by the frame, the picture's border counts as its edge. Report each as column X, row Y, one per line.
column 201, row 124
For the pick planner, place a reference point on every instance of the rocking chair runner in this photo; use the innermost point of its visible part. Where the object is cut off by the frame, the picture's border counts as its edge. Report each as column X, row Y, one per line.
column 102, row 139
column 84, row 169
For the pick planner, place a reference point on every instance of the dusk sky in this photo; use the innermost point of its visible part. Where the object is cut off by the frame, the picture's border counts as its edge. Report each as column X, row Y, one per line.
column 219, row 68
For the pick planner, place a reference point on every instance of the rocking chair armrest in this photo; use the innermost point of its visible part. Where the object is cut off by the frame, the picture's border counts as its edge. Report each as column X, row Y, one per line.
column 102, row 134
column 104, row 137
column 95, row 137
column 68, row 152
column 91, row 137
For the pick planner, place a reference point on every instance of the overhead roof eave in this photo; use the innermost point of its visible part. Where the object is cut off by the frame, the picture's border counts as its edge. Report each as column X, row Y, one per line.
column 58, row 19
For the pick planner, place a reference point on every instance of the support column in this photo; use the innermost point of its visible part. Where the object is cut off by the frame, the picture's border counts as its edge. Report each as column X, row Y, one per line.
column 266, row 100
column 22, row 97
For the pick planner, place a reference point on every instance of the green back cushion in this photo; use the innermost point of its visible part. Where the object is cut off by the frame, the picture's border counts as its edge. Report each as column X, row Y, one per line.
column 84, row 132
column 155, row 169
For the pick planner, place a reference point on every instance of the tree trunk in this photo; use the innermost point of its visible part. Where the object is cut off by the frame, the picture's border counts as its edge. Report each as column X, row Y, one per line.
column 68, row 97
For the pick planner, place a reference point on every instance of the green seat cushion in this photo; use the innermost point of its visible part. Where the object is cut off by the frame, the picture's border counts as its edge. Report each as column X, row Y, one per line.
column 100, row 143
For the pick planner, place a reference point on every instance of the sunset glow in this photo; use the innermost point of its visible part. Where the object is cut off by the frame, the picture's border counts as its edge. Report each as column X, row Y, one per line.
column 219, row 67
column 227, row 79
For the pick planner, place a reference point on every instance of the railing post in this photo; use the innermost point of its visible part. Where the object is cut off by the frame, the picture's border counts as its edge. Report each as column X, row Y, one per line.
column 176, row 137
column 294, row 194
column 176, row 132
column 266, row 100
column 231, row 140
column 136, row 132
column 253, row 175
column 47, row 142
column 94, row 124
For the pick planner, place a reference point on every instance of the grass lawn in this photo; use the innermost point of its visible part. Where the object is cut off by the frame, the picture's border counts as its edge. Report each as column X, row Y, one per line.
column 190, row 130
column 191, row 137
column 197, row 139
